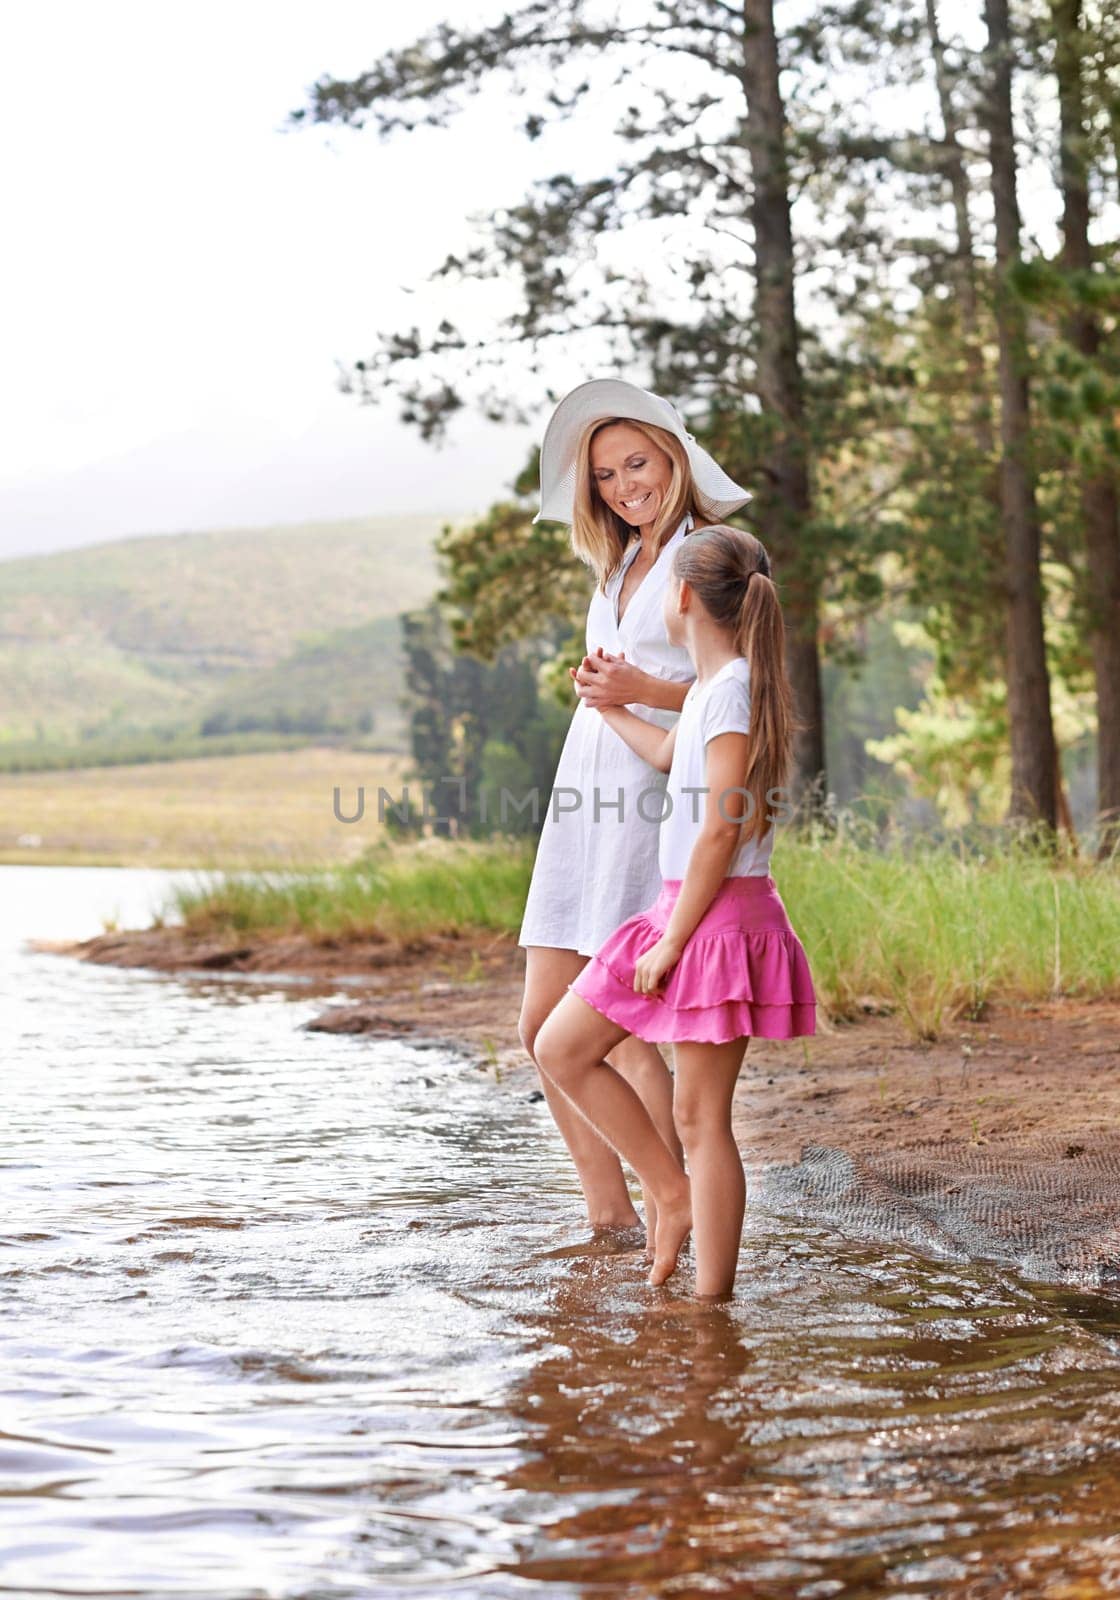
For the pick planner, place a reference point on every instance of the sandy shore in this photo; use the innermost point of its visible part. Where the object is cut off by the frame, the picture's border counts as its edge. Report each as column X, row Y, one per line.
column 1016, row 1073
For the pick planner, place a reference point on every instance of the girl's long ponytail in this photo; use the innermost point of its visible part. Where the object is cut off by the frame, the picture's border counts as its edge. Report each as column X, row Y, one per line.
column 761, row 636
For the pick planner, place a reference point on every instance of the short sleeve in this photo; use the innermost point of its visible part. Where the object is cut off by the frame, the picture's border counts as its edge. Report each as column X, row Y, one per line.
column 727, row 709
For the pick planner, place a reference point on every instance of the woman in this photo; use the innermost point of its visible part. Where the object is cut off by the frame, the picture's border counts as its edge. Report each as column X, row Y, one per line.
column 618, row 465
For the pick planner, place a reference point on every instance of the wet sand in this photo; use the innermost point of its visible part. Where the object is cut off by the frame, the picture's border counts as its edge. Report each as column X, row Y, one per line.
column 1017, row 1072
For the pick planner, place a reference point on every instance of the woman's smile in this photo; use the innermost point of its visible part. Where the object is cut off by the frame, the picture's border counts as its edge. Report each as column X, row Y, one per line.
column 637, row 502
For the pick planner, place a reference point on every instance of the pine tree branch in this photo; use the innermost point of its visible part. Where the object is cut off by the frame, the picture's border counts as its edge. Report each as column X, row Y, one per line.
column 448, row 59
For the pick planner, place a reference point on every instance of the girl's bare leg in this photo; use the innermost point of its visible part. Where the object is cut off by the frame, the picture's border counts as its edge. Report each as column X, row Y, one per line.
column 548, row 972
column 570, row 1049
column 643, row 1067
column 704, row 1087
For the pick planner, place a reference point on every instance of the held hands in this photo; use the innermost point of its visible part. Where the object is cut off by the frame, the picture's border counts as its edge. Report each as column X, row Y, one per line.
column 605, row 680
column 653, row 964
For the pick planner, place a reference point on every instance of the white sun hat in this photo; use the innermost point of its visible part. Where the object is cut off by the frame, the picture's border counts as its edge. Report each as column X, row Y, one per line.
column 614, row 397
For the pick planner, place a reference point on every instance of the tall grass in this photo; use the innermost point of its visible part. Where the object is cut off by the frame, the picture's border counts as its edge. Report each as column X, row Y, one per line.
column 935, row 932
column 391, row 892
column 929, row 931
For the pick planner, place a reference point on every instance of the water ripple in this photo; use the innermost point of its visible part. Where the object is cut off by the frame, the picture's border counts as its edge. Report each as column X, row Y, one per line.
column 292, row 1314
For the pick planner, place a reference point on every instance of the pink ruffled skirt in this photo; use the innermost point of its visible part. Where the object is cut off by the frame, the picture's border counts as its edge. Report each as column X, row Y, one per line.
column 742, row 973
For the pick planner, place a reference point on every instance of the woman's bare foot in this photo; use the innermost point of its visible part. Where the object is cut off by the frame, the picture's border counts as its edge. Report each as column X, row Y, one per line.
column 674, row 1224
column 620, row 1219
column 609, row 1241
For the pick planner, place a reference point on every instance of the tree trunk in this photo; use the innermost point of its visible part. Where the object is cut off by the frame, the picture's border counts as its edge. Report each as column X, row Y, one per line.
column 786, row 500
column 957, row 177
column 1098, row 487
column 965, row 261
column 1033, row 754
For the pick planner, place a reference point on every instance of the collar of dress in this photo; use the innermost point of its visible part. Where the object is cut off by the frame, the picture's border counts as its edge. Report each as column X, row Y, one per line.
column 632, row 550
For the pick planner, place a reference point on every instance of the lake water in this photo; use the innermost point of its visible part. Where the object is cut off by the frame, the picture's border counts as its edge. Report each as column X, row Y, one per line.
column 289, row 1314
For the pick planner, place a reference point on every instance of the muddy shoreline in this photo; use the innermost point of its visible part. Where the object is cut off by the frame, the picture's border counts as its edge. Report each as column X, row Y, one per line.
column 1019, row 1072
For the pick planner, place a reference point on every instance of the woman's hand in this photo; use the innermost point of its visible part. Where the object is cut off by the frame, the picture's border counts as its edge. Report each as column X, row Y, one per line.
column 606, row 680
column 653, row 964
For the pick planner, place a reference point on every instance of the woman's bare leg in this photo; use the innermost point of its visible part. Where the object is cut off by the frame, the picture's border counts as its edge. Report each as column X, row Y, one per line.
column 548, row 972
column 570, row 1048
column 703, row 1091
column 643, row 1066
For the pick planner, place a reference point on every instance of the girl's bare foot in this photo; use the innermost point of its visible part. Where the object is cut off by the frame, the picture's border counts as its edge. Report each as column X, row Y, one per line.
column 651, row 1224
column 674, row 1224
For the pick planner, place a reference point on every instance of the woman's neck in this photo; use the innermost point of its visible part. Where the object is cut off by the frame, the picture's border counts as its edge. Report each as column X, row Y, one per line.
column 646, row 534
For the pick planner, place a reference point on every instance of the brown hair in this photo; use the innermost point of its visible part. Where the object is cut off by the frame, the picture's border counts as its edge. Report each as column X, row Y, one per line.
column 730, row 572
column 599, row 534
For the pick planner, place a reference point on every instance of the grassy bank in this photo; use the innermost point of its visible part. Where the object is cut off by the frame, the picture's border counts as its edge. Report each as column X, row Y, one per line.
column 928, row 932
column 392, row 892
column 935, row 934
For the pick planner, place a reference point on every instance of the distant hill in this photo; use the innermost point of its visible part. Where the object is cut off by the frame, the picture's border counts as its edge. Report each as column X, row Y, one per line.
column 264, row 627
column 347, row 681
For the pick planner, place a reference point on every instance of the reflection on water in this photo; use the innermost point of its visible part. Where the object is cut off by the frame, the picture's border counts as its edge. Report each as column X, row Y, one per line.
column 281, row 1314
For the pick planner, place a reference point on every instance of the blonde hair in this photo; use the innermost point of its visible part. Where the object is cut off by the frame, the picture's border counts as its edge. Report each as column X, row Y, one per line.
column 729, row 570
column 599, row 534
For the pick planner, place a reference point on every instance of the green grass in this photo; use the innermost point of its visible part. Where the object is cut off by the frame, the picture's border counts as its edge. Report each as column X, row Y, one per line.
column 928, row 931
column 391, row 892
column 936, row 933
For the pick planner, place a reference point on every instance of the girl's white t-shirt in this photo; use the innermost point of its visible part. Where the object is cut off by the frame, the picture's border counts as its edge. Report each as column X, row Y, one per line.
column 721, row 705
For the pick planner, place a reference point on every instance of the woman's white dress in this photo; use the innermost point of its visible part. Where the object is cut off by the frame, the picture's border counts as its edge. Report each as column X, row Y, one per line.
column 592, row 871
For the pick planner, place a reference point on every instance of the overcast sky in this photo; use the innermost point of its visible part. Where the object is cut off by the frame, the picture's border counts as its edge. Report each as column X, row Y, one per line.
column 182, row 274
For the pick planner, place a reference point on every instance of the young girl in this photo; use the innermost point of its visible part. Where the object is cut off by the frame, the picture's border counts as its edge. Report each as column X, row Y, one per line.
column 714, row 960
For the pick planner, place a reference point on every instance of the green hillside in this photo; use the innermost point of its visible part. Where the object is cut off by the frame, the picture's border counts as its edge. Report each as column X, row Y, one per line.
column 262, row 628
column 348, row 680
